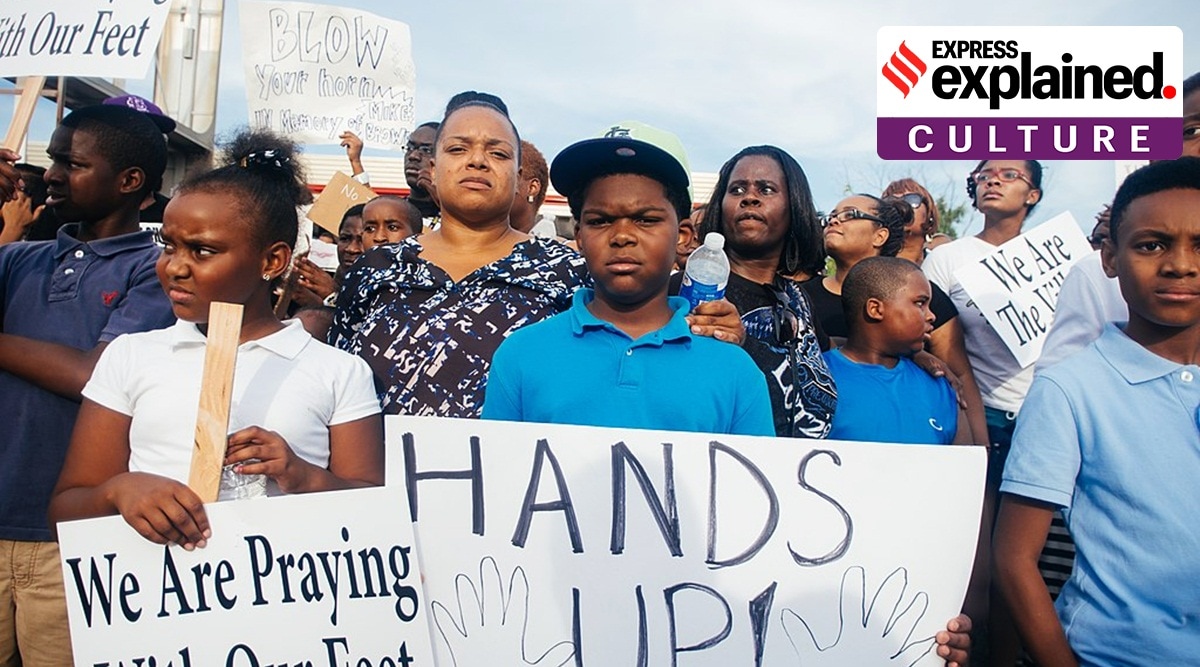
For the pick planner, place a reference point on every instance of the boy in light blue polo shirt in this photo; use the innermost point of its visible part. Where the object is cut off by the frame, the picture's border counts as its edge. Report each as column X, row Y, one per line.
column 624, row 355
column 1112, row 436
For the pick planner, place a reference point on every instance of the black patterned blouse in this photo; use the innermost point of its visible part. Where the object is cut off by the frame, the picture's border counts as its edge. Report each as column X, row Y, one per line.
column 430, row 340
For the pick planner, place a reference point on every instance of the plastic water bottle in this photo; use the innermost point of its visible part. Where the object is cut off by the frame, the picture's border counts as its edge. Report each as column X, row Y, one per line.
column 706, row 272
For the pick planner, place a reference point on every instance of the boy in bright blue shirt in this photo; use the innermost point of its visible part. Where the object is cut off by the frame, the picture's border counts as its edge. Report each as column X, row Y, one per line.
column 624, row 355
column 883, row 396
column 1111, row 435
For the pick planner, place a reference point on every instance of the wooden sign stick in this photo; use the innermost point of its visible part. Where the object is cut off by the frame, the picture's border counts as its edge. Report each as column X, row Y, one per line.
column 216, row 394
column 287, row 294
column 31, row 90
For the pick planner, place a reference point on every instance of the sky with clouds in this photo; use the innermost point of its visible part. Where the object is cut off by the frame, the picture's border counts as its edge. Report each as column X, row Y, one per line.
column 722, row 74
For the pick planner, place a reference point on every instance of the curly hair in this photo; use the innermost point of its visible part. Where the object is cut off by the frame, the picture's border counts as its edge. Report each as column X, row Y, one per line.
column 263, row 171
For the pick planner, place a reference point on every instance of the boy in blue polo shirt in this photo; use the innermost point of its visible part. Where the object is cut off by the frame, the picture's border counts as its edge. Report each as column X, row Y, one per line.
column 624, row 355
column 1112, row 436
column 61, row 302
column 883, row 396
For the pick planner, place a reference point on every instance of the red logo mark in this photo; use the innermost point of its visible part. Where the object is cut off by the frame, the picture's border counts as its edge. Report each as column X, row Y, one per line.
column 108, row 297
column 899, row 69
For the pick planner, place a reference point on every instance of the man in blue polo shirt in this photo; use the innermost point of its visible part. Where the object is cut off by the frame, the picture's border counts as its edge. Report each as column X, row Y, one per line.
column 624, row 355
column 61, row 302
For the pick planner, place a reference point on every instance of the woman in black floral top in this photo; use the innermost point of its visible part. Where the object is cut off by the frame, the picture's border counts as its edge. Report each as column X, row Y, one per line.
column 428, row 313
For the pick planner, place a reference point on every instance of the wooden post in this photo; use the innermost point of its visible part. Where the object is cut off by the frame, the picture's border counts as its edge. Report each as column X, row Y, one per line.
column 31, row 90
column 287, row 293
column 216, row 394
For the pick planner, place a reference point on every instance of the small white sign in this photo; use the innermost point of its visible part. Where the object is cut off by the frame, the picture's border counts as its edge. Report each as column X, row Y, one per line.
column 1016, row 287
column 323, row 254
column 80, row 37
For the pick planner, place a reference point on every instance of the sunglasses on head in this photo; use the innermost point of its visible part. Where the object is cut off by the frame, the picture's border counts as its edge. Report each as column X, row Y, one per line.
column 846, row 215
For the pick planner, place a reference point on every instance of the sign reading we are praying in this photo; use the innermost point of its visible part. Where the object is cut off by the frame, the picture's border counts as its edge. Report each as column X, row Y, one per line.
column 565, row 545
column 315, row 71
column 314, row 579
column 80, row 37
column 1016, row 287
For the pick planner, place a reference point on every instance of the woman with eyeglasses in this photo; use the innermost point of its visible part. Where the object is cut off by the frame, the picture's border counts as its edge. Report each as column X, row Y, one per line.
column 763, row 206
column 863, row 226
column 925, row 218
column 1004, row 191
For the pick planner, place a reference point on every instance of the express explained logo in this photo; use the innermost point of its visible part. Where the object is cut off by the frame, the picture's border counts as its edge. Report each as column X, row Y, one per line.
column 1045, row 92
column 899, row 69
column 1065, row 80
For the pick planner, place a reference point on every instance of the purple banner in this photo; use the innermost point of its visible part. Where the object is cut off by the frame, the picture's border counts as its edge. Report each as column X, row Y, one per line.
column 1032, row 138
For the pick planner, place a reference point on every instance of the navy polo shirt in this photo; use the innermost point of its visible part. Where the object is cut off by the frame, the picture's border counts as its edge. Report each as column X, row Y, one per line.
column 71, row 293
column 575, row 368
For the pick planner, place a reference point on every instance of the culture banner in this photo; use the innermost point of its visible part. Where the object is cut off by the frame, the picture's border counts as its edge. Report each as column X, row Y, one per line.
column 1016, row 287
column 80, row 37
column 315, row 579
column 561, row 545
column 315, row 71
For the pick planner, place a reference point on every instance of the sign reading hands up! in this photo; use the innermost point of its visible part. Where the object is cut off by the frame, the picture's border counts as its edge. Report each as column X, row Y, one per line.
column 550, row 545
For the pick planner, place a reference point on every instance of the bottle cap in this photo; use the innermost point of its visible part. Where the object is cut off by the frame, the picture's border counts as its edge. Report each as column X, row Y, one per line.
column 714, row 241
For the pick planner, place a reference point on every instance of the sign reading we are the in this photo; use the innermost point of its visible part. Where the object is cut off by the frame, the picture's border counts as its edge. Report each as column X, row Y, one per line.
column 563, row 545
column 315, row 579
column 80, row 37
column 315, row 71
column 1016, row 287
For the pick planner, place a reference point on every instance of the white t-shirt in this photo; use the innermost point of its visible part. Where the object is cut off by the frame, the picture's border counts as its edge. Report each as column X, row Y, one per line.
column 1001, row 379
column 286, row 382
column 1088, row 300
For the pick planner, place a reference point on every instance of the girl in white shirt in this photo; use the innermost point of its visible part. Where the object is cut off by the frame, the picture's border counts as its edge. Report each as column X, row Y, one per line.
column 306, row 415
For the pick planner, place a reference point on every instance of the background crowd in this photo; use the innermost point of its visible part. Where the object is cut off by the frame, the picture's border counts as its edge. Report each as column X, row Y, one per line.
column 840, row 324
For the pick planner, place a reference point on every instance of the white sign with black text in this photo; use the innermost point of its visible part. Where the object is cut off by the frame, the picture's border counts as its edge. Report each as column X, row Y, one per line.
column 315, row 71
column 565, row 545
column 80, row 37
column 315, row 579
column 1016, row 287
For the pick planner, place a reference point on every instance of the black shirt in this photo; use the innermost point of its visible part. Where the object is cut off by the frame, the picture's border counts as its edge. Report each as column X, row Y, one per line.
column 784, row 343
column 827, row 308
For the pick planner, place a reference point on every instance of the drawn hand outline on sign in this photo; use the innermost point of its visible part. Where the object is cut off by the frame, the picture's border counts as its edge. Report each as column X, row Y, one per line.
column 877, row 620
column 491, row 621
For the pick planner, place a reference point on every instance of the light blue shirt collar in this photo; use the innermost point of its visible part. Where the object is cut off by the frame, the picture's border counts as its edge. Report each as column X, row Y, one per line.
column 1135, row 363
